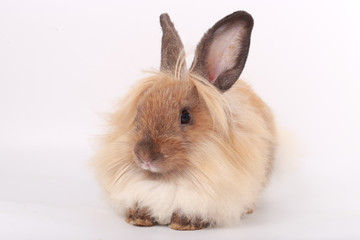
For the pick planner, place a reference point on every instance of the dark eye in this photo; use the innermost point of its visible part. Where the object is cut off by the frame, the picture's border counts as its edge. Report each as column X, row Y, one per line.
column 185, row 117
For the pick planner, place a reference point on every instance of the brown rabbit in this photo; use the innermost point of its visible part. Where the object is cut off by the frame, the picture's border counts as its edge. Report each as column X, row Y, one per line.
column 190, row 148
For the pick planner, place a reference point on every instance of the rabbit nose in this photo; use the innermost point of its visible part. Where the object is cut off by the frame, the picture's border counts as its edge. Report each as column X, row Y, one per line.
column 146, row 150
column 145, row 157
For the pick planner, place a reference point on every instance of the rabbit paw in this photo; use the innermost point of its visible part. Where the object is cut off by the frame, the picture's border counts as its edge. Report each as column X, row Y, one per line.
column 250, row 211
column 140, row 217
column 181, row 222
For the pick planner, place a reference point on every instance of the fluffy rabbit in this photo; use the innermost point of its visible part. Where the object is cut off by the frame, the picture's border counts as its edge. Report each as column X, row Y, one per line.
column 190, row 148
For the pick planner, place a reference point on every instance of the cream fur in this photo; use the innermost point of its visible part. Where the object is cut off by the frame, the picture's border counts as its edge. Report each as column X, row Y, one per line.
column 230, row 163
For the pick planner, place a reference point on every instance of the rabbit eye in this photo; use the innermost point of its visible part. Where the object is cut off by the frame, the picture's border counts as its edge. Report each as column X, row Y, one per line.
column 185, row 117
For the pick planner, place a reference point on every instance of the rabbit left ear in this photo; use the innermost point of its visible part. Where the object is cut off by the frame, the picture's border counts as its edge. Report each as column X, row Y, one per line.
column 222, row 52
column 172, row 49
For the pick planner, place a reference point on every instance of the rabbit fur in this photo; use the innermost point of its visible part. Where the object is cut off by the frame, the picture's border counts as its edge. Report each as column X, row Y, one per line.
column 209, row 171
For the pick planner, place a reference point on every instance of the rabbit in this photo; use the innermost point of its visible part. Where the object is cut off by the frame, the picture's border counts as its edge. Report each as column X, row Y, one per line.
column 190, row 148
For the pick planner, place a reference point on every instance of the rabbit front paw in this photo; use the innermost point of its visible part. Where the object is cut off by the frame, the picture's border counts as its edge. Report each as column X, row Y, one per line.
column 181, row 222
column 140, row 217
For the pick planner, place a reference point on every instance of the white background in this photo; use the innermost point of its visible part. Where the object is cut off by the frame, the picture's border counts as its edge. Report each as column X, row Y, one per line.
column 64, row 63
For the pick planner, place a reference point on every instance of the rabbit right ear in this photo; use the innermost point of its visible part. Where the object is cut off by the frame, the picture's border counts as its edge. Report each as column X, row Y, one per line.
column 222, row 52
column 172, row 49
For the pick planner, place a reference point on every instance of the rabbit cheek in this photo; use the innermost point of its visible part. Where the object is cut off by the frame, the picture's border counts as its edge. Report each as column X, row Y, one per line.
column 175, row 156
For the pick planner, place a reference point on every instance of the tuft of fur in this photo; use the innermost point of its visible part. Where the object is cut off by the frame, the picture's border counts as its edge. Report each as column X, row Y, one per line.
column 211, row 170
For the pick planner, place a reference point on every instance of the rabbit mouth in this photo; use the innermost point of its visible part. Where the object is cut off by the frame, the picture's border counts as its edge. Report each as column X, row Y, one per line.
column 149, row 167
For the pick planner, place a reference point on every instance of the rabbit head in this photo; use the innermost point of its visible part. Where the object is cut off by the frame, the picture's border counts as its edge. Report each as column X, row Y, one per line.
column 174, row 113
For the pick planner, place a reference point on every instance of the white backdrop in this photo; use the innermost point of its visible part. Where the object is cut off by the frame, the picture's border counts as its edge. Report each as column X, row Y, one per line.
column 63, row 63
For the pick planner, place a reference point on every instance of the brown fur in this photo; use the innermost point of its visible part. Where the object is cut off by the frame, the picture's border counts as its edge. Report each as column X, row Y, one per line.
column 181, row 222
column 158, row 118
column 140, row 217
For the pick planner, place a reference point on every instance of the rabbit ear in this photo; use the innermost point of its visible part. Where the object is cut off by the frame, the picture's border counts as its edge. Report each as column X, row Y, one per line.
column 222, row 52
column 172, row 49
